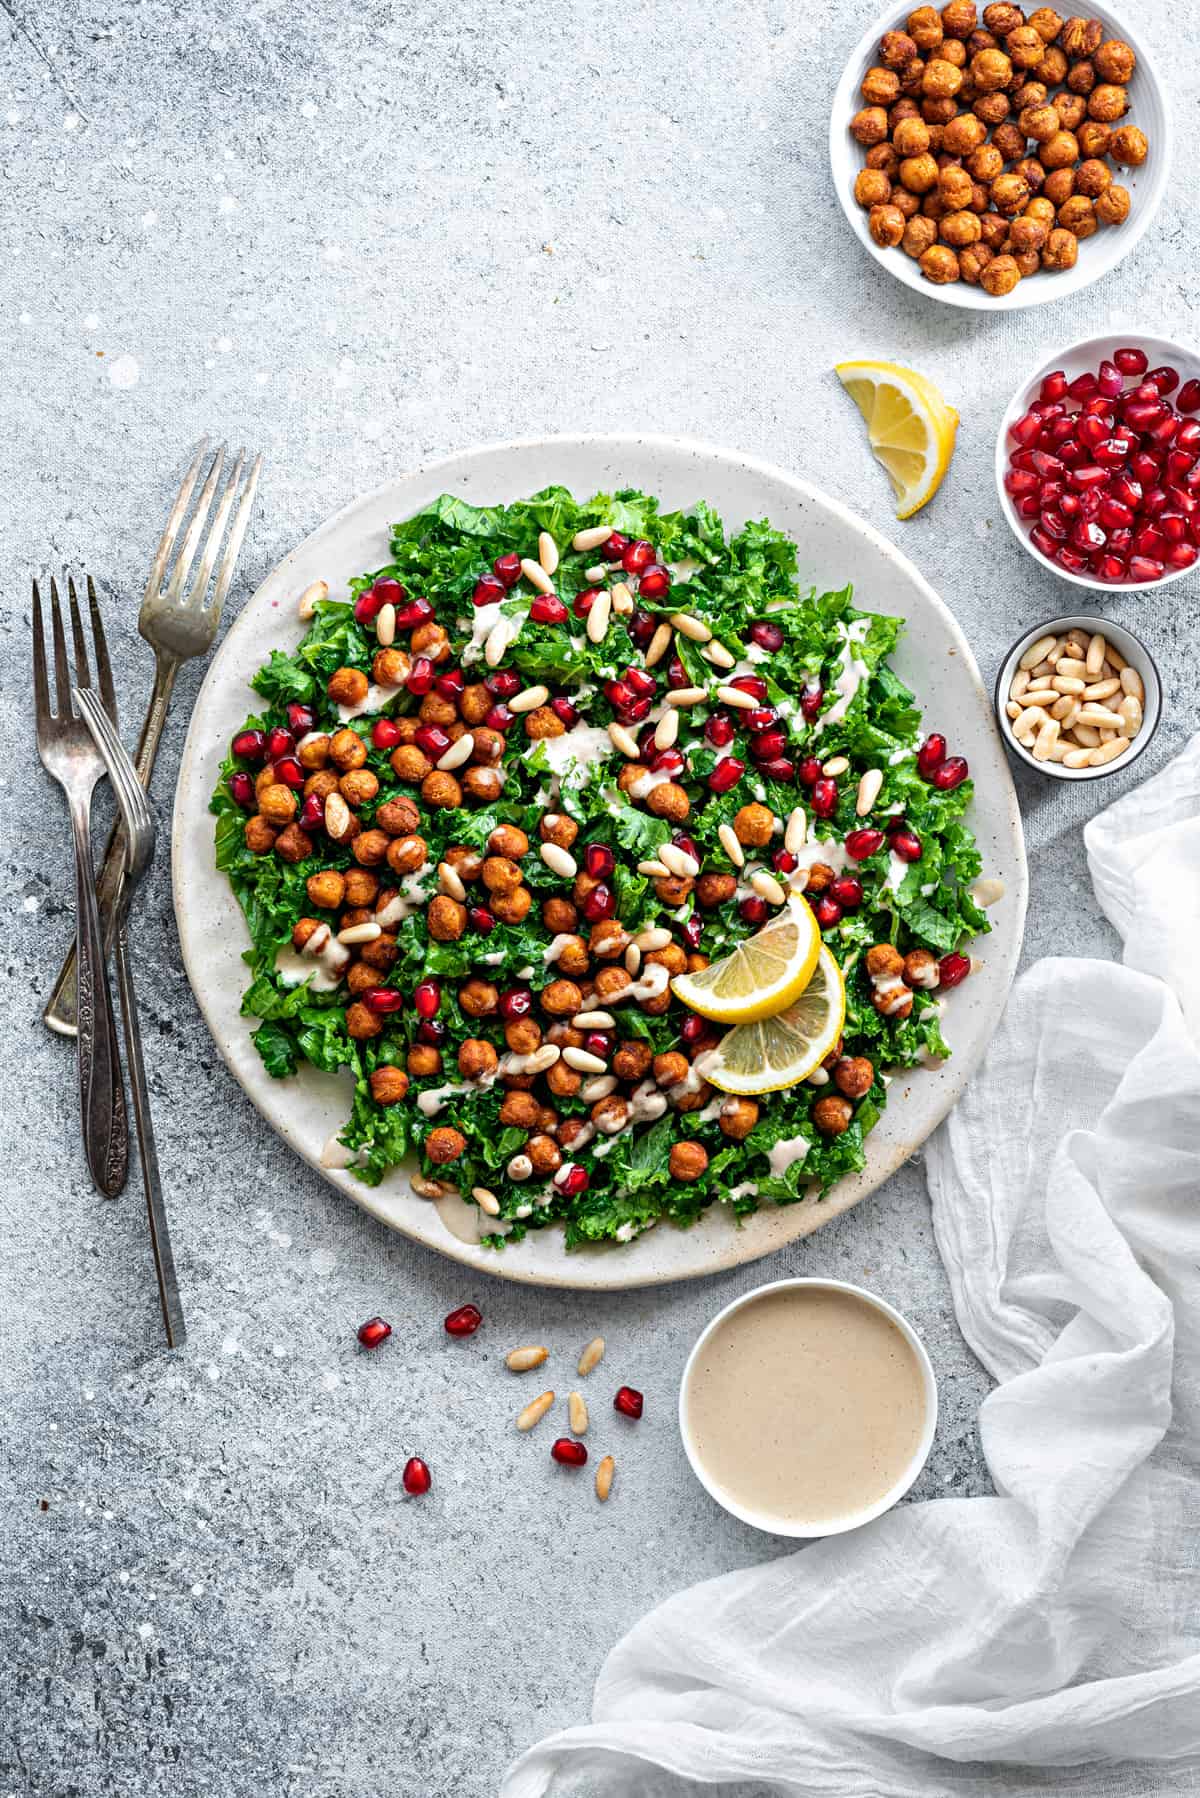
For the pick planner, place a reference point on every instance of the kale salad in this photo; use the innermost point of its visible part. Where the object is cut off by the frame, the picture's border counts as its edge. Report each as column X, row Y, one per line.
column 557, row 764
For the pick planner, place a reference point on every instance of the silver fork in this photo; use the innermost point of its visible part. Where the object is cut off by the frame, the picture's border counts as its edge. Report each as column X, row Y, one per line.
column 69, row 755
column 138, row 820
column 178, row 622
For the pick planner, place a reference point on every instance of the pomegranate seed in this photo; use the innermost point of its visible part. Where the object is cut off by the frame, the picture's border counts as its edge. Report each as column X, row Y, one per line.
column 1070, row 559
column 628, row 1401
column 416, row 1477
column 753, row 684
column 779, row 768
column 688, row 844
column 719, row 730
column 863, row 843
column 583, row 602
column 825, row 797
column 1083, row 386
column 431, row 1031
column 931, row 753
column 301, row 718
column 385, row 733
column 768, row 743
column 373, row 1332
column 488, row 590
column 572, row 1179
column 1025, row 430
column 726, row 774
column 753, row 910
column 516, row 1003
column 1188, row 399
column 1059, row 431
column 1042, row 541
column 667, row 761
column 450, row 683
column 637, row 555
column 827, row 912
column 1055, row 525
column 417, row 611
column 1031, row 505
column 564, row 710
column 784, row 862
column 692, row 931
column 641, row 628
column 1110, row 568
column 1131, row 361
column 507, row 569
column 847, row 891
column 312, row 813
column 1166, row 379
column 692, row 1029
column 366, row 606
column 614, row 549
column 1092, row 431
column 767, row 636
column 427, row 997
column 241, row 788
column 499, row 718
column 762, row 717
column 1144, row 415
column 809, row 771
column 481, row 919
column 1145, row 568
column 676, row 673
column 1180, row 555
column 1109, row 380
column 1054, row 386
column 289, row 773
column 655, row 583
column 600, row 903
column 503, row 684
column 1120, row 542
column 907, row 844
column 1088, row 474
column 383, row 1000
column 1149, row 541
column 1126, row 490
column 1089, row 504
column 811, row 698
column 1072, row 452
column 1069, row 505
column 567, row 1452
column 1113, row 515
column 548, row 608
column 599, row 860
column 1145, row 467
column 641, row 680
column 1187, row 435
column 618, row 693
column 951, row 774
column 1173, row 526
column 953, row 969
column 420, row 676
column 599, row 1042
column 251, row 745
column 636, row 710
column 433, row 740
column 1179, row 463
column 1050, row 466
column 464, row 1321
column 1088, row 536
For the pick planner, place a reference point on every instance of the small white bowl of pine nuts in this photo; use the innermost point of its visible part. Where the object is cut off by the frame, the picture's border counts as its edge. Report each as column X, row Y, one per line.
column 1078, row 697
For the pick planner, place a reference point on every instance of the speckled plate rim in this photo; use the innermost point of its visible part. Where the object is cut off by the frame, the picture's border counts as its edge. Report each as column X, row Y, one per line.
column 834, row 546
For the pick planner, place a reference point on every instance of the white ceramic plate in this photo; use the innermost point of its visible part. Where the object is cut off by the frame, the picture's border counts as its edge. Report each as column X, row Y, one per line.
column 1148, row 110
column 835, row 547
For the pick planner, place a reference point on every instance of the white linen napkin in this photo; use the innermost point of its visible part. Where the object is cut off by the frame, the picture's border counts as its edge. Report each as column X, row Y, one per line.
column 1045, row 1641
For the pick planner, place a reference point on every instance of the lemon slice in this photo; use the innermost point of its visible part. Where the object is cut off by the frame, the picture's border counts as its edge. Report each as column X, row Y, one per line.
column 909, row 425
column 762, row 975
column 781, row 1050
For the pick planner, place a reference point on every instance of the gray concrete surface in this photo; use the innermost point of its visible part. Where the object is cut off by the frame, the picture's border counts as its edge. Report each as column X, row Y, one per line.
column 360, row 237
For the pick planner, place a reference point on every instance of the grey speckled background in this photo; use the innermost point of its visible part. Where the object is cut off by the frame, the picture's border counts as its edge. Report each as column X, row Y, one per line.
column 360, row 237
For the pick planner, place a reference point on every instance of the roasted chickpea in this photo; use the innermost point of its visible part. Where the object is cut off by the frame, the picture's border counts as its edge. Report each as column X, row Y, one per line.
column 963, row 134
column 1009, row 139
column 880, row 87
column 1060, row 151
column 446, row 919
column 1115, row 60
column 406, row 854
column 476, row 1058
column 1094, row 139
column 1009, row 194
column 972, row 261
column 1107, row 103
column 383, row 953
column 1032, row 174
column 390, row 667
column 632, row 1060
column 670, row 1068
column 326, row 889
column 919, row 173
column 606, row 941
column 671, row 957
column 441, row 790
column 559, row 916
column 939, row 264
column 910, row 77
column 430, row 640
column 563, row 1081
column 906, row 204
column 911, row 138
column 388, row 1085
column 523, row 1035
column 293, row 844
column 561, row 999
column 669, row 801
column 1112, row 206
column 871, row 188
column 564, row 1036
column 610, row 982
column 478, row 998
column 500, row 875
column 933, row 206
column 896, row 49
column 1025, row 47
column 519, row 1111
column 1081, row 37
column 1092, row 177
column 409, row 763
column 1042, row 209
column 361, row 1022
column 954, row 188
column 715, row 889
column 347, row 686
column 399, row 817
column 960, row 229
column 424, row 1060
column 924, row 27
column 480, row 784
column 1081, row 78
column 359, row 786
column 1001, row 18
column 1000, row 276
column 985, row 163
column 277, row 803
column 870, row 126
column 853, row 1076
column 314, row 753
column 508, row 840
column 937, row 113
column 1026, row 234
column 886, row 225
column 689, row 1160
column 952, row 51
column 1053, row 67
column 991, row 70
column 544, row 721
column 1039, row 122
column 444, row 1144
column 902, row 110
column 1128, row 146
column 514, row 907
column 436, row 709
column 959, row 18
column 992, row 108
column 544, row 1153
column 359, row 976
column 754, row 825
column 370, row 848
column 737, row 1118
column 832, row 1115
column 941, row 80
column 1047, row 23
column 1029, row 94
column 1078, row 216
column 1060, row 185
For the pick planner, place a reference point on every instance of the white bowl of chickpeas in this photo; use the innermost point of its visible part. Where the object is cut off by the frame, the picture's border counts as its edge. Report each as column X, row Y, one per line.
column 996, row 157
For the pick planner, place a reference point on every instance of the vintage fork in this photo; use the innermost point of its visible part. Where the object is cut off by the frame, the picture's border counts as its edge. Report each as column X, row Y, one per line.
column 140, row 833
column 178, row 622
column 69, row 755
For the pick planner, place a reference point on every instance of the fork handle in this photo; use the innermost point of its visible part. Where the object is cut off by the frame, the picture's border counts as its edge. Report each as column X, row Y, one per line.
column 61, row 1009
column 101, row 1090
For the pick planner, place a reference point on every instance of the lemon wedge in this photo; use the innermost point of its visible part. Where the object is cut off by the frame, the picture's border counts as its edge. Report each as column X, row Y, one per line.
column 762, row 975
column 783, row 1049
column 910, row 427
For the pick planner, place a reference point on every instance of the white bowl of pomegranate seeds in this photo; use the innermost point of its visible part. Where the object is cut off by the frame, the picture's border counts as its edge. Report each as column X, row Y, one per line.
column 1098, row 462
column 1078, row 697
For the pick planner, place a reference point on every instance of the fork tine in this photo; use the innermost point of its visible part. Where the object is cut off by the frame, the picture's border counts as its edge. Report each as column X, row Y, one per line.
column 108, row 694
column 171, row 529
column 233, row 547
column 212, row 542
column 187, row 548
column 62, row 668
column 41, row 690
column 127, row 787
column 83, row 677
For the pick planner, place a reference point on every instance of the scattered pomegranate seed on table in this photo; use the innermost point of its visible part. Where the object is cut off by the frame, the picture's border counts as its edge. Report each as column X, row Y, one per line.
column 628, row 1401
column 567, row 1452
column 463, row 1321
column 373, row 1332
column 417, row 1477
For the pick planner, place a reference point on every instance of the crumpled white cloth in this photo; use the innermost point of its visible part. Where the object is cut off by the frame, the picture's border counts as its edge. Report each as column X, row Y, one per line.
column 1045, row 1641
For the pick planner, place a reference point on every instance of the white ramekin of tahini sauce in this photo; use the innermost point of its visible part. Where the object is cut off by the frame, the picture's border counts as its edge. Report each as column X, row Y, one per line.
column 808, row 1407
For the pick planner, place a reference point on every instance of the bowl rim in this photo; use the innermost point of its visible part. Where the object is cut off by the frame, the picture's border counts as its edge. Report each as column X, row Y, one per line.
column 764, row 1520
column 1055, row 770
column 951, row 294
column 1170, row 346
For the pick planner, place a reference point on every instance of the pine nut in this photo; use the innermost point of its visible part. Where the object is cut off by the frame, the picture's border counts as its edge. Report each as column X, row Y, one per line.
column 577, row 1414
column 359, row 933
column 522, row 1360
column 1036, row 651
column 592, row 538
column 796, row 831
column 591, row 1357
column 679, row 861
column 429, row 1189
column 536, row 575
column 1083, row 733
column 868, row 791
column 1046, row 738
column 1103, row 689
column 1071, row 665
column 718, row 655
column 542, row 1058
column 1077, row 758
column 1130, row 713
column 593, row 1090
column 622, row 599
column 385, row 626
column 1068, row 719
column 659, row 644
column 666, row 731
column 559, row 861
column 604, row 1477
column 460, row 751
column 1062, row 705
column 1012, row 709
column 547, row 552
column 1043, row 670
column 594, row 1020
column 768, row 888
column 337, row 818
column 734, row 696
column 633, row 960
column 1031, row 720
column 1020, row 682
column 598, row 617
column 1112, row 654
column 534, row 1411
column 450, row 881
column 1108, row 752
column 691, row 627
column 1068, row 683
column 1097, row 649
column 652, row 939
column 687, row 696
column 489, row 1203
column 656, row 870
column 837, row 764
column 528, row 699
column 1040, row 696
column 306, row 605
column 731, row 846
column 1131, row 680
column 623, row 739
column 1100, row 717
column 583, row 1061
column 499, row 637
column 520, row 1168
column 597, row 573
